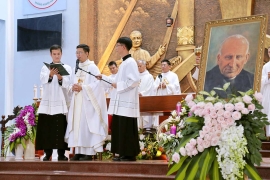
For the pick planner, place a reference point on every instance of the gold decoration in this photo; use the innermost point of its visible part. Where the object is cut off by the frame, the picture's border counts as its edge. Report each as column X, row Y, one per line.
column 185, row 35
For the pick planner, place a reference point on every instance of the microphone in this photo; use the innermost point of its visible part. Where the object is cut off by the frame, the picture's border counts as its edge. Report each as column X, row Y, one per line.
column 77, row 66
column 92, row 74
column 160, row 77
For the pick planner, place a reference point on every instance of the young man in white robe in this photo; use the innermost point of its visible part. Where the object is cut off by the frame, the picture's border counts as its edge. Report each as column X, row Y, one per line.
column 145, row 89
column 113, row 69
column 87, row 118
column 265, row 89
column 53, row 108
column 167, row 83
column 124, row 105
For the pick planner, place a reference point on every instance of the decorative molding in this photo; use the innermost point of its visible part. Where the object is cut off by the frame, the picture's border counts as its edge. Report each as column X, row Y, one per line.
column 185, row 35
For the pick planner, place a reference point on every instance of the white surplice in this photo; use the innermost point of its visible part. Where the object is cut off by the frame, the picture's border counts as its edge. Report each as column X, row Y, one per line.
column 125, row 100
column 172, row 84
column 146, row 89
column 265, row 90
column 54, row 99
column 87, row 118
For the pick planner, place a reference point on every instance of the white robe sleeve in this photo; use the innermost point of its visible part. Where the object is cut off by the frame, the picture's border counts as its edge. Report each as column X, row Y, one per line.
column 66, row 79
column 44, row 75
column 147, row 90
column 132, row 79
column 174, row 86
column 265, row 79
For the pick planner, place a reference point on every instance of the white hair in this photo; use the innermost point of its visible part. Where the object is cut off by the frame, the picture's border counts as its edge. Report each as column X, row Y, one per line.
column 141, row 62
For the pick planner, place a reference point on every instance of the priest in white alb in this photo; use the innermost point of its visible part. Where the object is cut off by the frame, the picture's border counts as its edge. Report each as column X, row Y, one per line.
column 265, row 90
column 145, row 89
column 87, row 118
column 166, row 83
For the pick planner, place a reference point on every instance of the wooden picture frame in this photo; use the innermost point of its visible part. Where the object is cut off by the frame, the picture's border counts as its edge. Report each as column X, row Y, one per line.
column 220, row 43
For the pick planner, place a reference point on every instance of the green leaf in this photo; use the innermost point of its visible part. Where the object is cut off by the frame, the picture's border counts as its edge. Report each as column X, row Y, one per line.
column 182, row 171
column 226, row 85
column 206, row 162
column 210, row 99
column 23, row 143
column 175, row 167
column 218, row 88
column 251, row 172
column 12, row 146
column 204, row 93
column 192, row 119
column 212, row 93
column 193, row 167
column 214, row 171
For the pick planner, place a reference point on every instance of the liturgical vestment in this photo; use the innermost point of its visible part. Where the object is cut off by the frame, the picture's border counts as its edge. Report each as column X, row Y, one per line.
column 172, row 84
column 87, row 118
column 265, row 89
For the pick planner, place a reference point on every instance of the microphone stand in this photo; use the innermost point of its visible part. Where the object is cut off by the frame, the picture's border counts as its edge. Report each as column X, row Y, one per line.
column 92, row 74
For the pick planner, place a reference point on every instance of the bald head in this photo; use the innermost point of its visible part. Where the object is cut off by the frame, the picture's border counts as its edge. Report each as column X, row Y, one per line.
column 136, row 37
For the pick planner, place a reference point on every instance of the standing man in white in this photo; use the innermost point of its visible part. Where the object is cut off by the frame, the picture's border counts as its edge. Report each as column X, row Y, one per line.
column 124, row 104
column 265, row 89
column 87, row 118
column 145, row 89
column 53, row 108
column 167, row 83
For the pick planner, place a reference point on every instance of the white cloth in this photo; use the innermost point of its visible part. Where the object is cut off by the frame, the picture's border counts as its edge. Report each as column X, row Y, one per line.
column 196, row 74
column 109, row 90
column 87, row 118
column 125, row 100
column 146, row 89
column 265, row 90
column 54, row 99
column 172, row 84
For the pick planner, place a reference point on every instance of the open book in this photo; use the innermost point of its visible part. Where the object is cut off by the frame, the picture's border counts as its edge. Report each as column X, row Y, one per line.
column 62, row 71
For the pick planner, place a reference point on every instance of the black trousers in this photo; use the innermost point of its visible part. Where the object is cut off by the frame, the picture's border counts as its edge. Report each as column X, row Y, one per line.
column 51, row 131
column 125, row 139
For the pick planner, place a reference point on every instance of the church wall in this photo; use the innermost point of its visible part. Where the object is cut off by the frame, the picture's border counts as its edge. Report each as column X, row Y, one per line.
column 27, row 64
column 2, row 66
column 3, row 9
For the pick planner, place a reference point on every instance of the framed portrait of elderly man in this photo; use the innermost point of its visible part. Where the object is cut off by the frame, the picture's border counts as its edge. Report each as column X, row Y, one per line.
column 233, row 52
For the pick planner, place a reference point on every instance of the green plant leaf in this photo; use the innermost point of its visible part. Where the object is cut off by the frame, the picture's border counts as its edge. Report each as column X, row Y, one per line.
column 182, row 171
column 192, row 119
column 193, row 167
column 185, row 140
column 210, row 99
column 226, row 85
column 175, row 167
column 218, row 88
column 23, row 143
column 206, row 162
column 251, row 172
column 204, row 93
column 212, row 93
column 12, row 146
column 214, row 172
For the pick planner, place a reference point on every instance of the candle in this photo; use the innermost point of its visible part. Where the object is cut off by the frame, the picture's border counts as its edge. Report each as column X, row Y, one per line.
column 35, row 92
column 178, row 108
column 173, row 129
column 41, row 91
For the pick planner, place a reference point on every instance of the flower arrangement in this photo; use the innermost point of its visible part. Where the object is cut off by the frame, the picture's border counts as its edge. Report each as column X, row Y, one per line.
column 149, row 146
column 220, row 138
column 106, row 154
column 23, row 129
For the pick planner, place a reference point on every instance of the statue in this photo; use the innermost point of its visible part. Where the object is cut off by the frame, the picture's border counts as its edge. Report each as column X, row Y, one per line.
column 140, row 54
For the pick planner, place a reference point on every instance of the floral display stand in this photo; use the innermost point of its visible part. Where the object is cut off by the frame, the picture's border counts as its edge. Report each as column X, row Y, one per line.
column 19, row 152
column 217, row 137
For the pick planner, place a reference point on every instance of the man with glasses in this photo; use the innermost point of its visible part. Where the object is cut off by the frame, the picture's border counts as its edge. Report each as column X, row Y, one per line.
column 87, row 118
column 166, row 83
column 124, row 104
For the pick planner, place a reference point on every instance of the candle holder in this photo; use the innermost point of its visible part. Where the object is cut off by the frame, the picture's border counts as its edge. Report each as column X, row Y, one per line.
column 198, row 52
column 35, row 100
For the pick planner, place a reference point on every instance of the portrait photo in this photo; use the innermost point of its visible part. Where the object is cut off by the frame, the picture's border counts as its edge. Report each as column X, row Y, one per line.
column 232, row 53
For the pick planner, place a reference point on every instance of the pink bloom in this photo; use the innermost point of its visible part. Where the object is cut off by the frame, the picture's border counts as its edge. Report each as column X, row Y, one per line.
column 197, row 112
column 206, row 128
column 176, row 157
column 199, row 141
column 206, row 144
column 200, row 148
column 251, row 107
column 191, row 103
column 193, row 142
column 220, row 112
column 189, row 146
column 218, row 106
column 230, row 121
column 208, row 105
column 213, row 109
column 189, row 98
column 207, row 137
column 245, row 111
column 202, row 134
column 247, row 99
column 229, row 107
column 227, row 114
column 220, row 119
column 239, row 106
column 194, row 152
column 214, row 141
column 258, row 96
column 201, row 105
column 213, row 115
column 236, row 115
column 193, row 108
column 183, row 151
column 207, row 118
column 143, row 152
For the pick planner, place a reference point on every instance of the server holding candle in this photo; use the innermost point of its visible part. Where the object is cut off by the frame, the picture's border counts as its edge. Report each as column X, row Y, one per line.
column 53, row 107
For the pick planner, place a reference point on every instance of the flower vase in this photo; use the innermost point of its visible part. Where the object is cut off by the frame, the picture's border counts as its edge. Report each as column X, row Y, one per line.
column 29, row 152
column 19, row 152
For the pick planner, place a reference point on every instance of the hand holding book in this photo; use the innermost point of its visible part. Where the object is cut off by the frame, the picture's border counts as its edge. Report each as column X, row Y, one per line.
column 61, row 70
